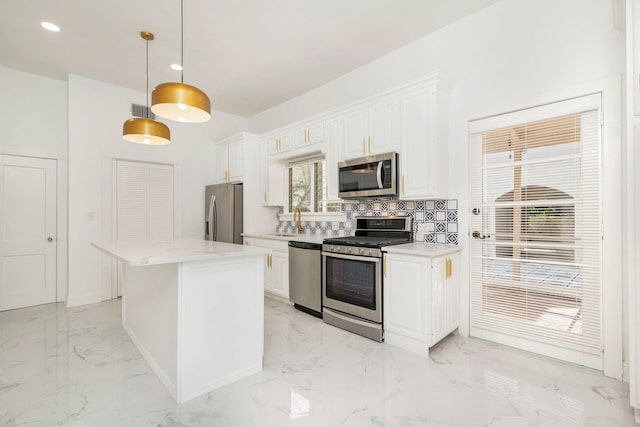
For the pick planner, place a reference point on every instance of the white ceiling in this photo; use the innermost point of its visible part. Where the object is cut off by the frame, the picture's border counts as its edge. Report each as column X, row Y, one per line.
column 248, row 55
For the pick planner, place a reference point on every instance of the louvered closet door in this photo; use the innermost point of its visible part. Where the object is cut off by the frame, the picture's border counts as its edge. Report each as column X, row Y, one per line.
column 144, row 201
column 536, row 230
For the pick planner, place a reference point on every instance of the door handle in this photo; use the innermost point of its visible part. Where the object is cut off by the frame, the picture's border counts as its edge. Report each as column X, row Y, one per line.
column 477, row 235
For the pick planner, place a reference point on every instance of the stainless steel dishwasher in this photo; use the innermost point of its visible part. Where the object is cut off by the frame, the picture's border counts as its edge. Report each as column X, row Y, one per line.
column 305, row 277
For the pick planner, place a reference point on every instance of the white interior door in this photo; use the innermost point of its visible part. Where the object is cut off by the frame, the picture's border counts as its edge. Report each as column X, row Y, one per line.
column 27, row 231
column 144, row 203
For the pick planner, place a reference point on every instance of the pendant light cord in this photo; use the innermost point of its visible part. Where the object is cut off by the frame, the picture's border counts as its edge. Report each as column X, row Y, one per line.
column 182, row 41
column 147, row 94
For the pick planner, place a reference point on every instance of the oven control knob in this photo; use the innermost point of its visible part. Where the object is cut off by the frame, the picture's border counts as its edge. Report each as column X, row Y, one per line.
column 348, row 250
column 331, row 249
column 361, row 251
column 370, row 251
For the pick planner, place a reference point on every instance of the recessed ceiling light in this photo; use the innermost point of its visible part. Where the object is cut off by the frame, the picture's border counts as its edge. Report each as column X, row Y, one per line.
column 176, row 67
column 49, row 26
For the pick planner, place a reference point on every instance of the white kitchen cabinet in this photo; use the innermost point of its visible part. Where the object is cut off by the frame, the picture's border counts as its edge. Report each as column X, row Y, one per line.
column 424, row 144
column 272, row 175
column 420, row 300
column 281, row 143
column 371, row 129
column 309, row 135
column 230, row 160
column 276, row 277
column 332, row 157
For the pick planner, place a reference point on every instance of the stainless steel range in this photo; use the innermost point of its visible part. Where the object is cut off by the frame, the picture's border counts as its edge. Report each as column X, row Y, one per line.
column 352, row 274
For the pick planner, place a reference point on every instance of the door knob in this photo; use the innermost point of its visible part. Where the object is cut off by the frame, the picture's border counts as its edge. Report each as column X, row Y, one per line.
column 49, row 239
column 477, row 235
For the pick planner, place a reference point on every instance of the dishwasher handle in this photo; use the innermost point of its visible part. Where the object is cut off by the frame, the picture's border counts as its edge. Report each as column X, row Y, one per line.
column 305, row 245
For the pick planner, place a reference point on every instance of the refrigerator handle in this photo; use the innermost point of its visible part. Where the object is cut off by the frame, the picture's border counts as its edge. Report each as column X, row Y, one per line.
column 215, row 219
column 210, row 217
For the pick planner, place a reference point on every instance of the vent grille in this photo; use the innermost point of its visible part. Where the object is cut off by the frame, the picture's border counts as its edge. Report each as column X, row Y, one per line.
column 141, row 111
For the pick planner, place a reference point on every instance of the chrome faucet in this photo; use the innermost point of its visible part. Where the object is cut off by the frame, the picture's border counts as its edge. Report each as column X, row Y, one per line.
column 300, row 227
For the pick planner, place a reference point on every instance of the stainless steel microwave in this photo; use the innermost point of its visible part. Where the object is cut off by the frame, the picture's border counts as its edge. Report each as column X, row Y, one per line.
column 368, row 176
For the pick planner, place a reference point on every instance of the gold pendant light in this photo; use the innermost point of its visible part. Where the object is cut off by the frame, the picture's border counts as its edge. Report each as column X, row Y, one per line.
column 143, row 130
column 179, row 101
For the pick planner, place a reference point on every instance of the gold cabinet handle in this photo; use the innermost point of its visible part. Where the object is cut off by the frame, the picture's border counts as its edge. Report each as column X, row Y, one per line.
column 364, row 147
column 446, row 268
column 265, row 197
column 403, row 186
column 369, row 145
column 308, row 135
column 384, row 267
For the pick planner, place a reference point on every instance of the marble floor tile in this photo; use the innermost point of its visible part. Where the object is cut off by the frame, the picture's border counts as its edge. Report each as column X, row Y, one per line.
column 78, row 367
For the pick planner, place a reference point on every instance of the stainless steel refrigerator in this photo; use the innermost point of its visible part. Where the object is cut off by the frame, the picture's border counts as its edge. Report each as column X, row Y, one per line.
column 223, row 213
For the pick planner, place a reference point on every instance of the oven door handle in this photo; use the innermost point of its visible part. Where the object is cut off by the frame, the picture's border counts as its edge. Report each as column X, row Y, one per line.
column 351, row 257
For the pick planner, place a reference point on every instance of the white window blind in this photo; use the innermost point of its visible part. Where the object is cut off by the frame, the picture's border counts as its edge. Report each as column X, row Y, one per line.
column 144, row 203
column 536, row 229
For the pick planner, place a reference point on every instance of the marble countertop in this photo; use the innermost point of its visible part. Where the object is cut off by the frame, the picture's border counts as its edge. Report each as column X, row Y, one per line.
column 152, row 252
column 422, row 249
column 287, row 237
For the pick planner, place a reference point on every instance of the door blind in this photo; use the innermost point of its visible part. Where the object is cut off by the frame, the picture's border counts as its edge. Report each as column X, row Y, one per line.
column 536, row 229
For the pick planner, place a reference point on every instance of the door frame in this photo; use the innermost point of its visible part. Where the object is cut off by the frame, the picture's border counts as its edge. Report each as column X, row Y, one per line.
column 61, row 212
column 611, row 203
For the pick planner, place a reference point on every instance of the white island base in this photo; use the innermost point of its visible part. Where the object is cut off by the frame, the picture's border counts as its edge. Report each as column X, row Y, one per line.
column 199, row 324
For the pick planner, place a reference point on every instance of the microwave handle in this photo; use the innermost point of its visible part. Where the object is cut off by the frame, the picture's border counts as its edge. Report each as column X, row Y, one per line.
column 380, row 172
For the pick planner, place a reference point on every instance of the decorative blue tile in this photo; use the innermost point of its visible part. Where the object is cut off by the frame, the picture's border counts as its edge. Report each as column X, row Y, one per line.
column 393, row 213
column 355, row 207
column 429, row 216
column 441, row 227
column 430, row 237
column 384, row 206
column 452, row 238
column 441, row 205
column 452, row 216
column 376, row 213
column 402, row 204
column 420, row 204
column 369, row 206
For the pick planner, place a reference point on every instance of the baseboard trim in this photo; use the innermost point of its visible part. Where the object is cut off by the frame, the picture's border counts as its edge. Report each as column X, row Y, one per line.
column 74, row 301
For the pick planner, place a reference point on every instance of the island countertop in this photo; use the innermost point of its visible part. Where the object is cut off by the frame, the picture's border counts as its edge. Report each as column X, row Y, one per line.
column 153, row 252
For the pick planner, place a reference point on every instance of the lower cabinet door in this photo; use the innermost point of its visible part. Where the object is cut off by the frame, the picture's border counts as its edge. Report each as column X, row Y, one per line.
column 280, row 274
column 405, row 298
column 438, row 299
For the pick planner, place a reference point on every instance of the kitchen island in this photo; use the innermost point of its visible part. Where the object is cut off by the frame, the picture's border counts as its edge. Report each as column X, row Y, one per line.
column 194, row 309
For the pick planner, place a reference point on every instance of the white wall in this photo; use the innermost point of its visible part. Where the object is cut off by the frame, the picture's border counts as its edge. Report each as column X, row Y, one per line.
column 96, row 113
column 33, row 118
column 512, row 55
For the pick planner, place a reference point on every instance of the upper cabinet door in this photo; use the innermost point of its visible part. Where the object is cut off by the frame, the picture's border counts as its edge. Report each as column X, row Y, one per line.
column 316, row 133
column 371, row 130
column 383, row 132
column 356, row 130
column 423, row 144
column 333, row 132
column 222, row 162
column 236, row 159
column 281, row 143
